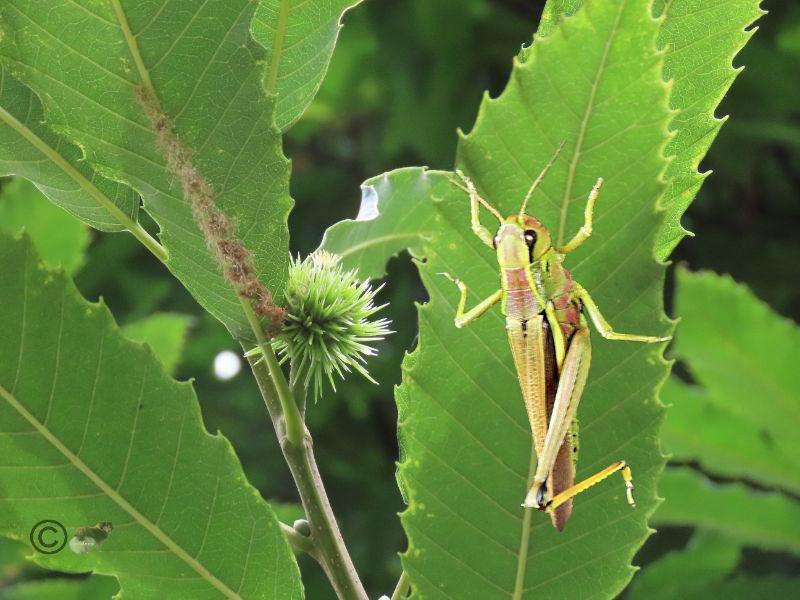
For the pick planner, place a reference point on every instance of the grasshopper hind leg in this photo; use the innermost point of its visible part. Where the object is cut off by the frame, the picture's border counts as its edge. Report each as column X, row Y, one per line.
column 576, row 489
column 561, row 479
column 555, row 468
column 556, row 456
column 539, row 380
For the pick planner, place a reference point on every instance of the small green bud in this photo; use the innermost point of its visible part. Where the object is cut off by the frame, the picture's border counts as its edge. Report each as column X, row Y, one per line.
column 302, row 527
column 327, row 327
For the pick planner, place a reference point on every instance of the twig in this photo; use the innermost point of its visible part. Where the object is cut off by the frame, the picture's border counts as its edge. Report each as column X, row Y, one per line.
column 325, row 534
column 292, row 419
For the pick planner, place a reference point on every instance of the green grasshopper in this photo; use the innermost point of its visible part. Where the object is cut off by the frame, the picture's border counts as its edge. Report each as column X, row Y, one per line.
column 546, row 321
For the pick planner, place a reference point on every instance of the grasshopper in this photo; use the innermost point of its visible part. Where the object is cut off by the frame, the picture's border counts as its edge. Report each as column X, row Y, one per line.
column 546, row 321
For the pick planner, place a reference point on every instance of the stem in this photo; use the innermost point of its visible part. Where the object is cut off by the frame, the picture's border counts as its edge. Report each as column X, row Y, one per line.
column 295, row 428
column 298, row 391
column 403, row 585
column 329, row 545
column 293, row 420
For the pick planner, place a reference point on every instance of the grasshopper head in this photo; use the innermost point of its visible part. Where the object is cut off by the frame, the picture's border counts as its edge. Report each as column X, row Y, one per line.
column 521, row 241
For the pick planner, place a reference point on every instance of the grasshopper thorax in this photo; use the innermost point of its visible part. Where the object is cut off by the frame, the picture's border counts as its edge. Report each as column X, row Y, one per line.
column 521, row 241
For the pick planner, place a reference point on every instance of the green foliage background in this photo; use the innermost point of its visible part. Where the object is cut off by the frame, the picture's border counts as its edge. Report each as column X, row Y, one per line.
column 399, row 85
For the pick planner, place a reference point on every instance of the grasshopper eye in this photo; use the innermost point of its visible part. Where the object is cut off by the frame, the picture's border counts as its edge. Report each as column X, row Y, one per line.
column 495, row 241
column 530, row 237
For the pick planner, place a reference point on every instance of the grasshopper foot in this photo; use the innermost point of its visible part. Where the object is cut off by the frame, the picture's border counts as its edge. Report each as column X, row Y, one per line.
column 536, row 497
column 455, row 280
column 463, row 184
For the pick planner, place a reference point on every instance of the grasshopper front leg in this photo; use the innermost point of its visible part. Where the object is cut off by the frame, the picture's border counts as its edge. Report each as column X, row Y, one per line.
column 474, row 209
column 463, row 318
column 585, row 231
column 605, row 329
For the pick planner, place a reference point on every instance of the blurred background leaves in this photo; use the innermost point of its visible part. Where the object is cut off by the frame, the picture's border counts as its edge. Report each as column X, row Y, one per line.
column 732, row 431
column 60, row 238
column 404, row 76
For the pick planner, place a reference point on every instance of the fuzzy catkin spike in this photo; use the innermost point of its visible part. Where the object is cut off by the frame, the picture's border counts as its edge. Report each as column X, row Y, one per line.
column 219, row 232
column 327, row 325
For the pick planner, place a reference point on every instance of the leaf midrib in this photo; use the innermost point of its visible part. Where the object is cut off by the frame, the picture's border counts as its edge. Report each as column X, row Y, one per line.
column 522, row 562
column 381, row 239
column 277, row 47
column 68, row 169
column 130, row 40
column 159, row 534
column 562, row 222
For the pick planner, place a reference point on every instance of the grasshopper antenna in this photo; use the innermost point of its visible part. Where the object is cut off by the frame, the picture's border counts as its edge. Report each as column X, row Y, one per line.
column 539, row 178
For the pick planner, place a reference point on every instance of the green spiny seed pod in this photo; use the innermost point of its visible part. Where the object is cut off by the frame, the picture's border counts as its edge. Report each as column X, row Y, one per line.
column 327, row 327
